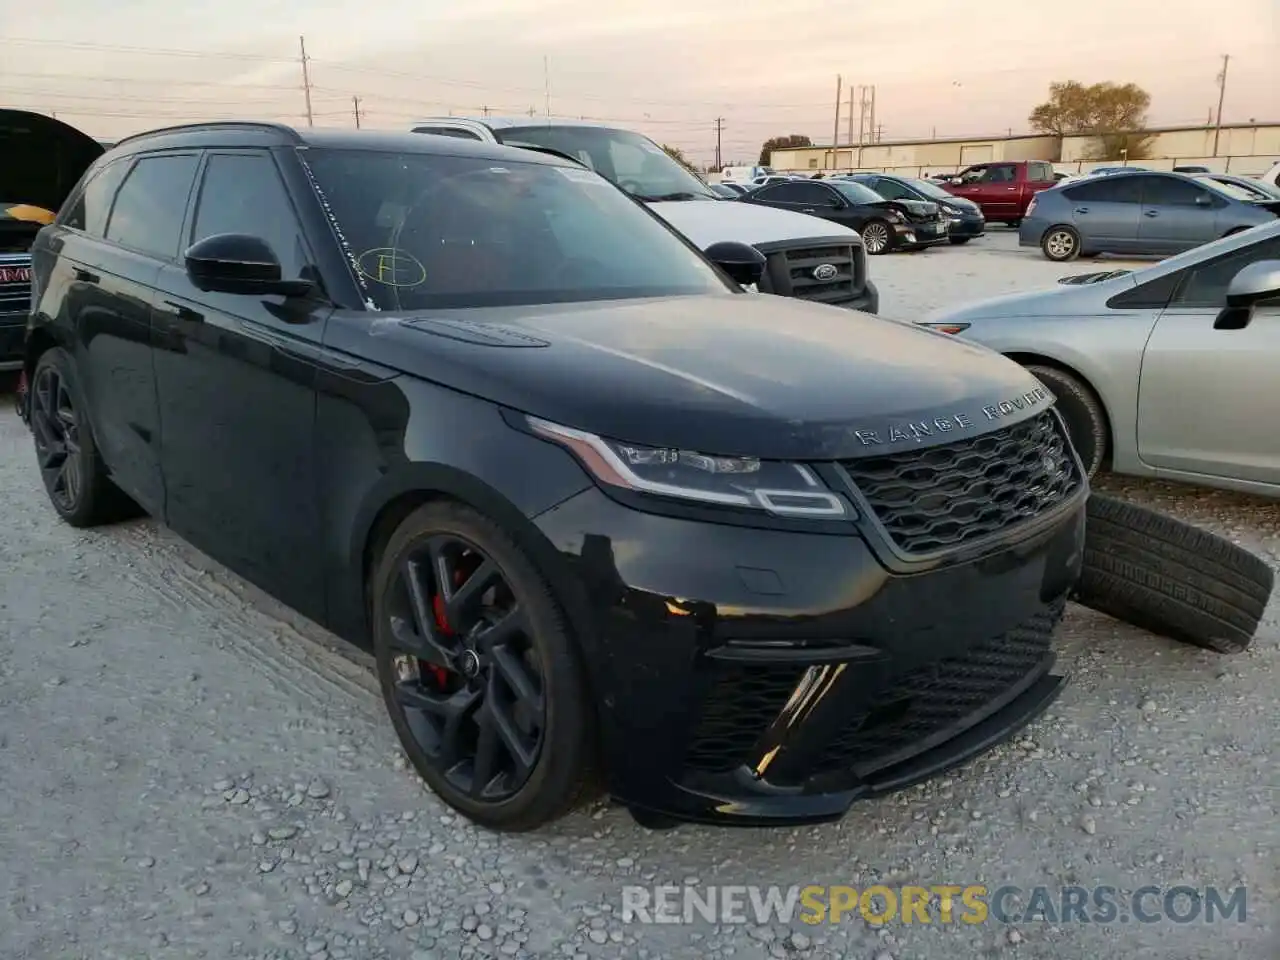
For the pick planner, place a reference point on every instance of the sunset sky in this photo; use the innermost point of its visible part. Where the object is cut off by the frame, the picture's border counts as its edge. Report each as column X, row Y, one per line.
column 667, row 67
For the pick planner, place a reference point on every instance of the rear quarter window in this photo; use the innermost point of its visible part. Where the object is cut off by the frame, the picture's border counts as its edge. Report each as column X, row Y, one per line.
column 88, row 211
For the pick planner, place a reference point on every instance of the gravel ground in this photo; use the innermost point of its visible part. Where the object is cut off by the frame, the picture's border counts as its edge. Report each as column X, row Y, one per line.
column 188, row 770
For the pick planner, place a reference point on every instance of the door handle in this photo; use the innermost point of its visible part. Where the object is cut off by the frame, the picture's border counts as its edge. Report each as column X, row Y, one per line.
column 808, row 210
column 84, row 276
column 1151, row 213
column 1082, row 210
column 184, row 312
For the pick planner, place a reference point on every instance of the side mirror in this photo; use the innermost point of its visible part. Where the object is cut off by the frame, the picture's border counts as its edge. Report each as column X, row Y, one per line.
column 1254, row 283
column 742, row 262
column 239, row 263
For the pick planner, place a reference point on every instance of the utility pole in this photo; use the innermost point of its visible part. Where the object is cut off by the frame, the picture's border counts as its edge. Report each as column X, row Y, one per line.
column 1222, row 94
column 306, row 78
column 879, row 133
column 873, row 113
column 850, row 114
column 719, row 130
column 355, row 106
column 835, row 133
column 546, row 84
column 533, row 112
column 485, row 110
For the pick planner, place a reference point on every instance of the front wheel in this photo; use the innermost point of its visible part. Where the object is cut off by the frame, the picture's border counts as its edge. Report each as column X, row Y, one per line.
column 877, row 237
column 1060, row 244
column 1082, row 410
column 478, row 672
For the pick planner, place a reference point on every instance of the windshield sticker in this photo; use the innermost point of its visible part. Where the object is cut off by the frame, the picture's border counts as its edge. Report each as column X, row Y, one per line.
column 582, row 176
column 391, row 267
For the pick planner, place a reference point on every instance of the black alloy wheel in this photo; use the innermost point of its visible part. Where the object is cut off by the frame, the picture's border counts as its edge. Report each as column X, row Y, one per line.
column 478, row 673
column 56, row 429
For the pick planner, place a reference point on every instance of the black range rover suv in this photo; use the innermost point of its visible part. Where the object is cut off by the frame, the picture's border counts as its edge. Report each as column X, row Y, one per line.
column 603, row 518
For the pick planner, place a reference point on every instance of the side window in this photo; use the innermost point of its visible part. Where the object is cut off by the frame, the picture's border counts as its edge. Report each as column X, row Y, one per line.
column 1169, row 191
column 243, row 193
column 151, row 204
column 1113, row 188
column 1000, row 173
column 781, row 193
column 976, row 174
column 810, row 194
column 90, row 209
column 1206, row 284
column 456, row 132
column 1041, row 171
column 891, row 189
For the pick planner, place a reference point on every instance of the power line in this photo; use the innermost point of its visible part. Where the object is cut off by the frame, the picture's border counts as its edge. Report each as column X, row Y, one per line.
column 146, row 51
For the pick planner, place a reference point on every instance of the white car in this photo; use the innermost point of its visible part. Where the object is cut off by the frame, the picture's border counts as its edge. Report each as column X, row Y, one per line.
column 1272, row 176
column 801, row 251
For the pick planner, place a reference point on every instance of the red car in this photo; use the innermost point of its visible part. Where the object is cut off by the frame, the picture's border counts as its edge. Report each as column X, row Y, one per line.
column 1003, row 190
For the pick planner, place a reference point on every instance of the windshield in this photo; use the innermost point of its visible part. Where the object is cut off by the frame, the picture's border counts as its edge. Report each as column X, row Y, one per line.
column 432, row 232
column 929, row 189
column 856, row 192
column 1234, row 190
column 633, row 162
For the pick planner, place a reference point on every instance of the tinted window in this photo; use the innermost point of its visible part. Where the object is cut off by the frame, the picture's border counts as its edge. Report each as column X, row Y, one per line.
column 1206, row 285
column 857, row 192
column 242, row 193
column 448, row 132
column 1119, row 188
column 89, row 212
column 807, row 193
column 151, row 204
column 1000, row 173
column 434, row 232
column 1170, row 191
column 891, row 189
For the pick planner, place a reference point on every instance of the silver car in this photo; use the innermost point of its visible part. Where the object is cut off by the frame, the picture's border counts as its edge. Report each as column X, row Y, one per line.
column 1141, row 212
column 1169, row 371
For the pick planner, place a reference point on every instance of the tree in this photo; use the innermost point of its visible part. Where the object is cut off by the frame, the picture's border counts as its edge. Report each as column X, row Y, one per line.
column 676, row 154
column 1114, row 113
column 789, row 142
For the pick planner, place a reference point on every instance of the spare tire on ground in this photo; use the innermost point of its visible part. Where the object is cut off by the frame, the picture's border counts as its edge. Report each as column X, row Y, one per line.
column 1166, row 576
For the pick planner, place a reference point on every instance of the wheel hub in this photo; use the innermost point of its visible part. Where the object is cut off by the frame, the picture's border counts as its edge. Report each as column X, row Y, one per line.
column 469, row 664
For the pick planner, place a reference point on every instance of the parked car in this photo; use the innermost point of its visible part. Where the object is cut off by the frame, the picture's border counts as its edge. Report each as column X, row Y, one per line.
column 1003, row 190
column 444, row 397
column 1135, row 213
column 885, row 225
column 964, row 217
column 643, row 169
column 43, row 158
column 1272, row 176
column 730, row 191
column 1246, row 188
column 743, row 174
column 1165, row 371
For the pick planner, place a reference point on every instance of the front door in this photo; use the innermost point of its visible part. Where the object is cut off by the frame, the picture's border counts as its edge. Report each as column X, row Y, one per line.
column 236, row 379
column 1176, row 215
column 1207, row 396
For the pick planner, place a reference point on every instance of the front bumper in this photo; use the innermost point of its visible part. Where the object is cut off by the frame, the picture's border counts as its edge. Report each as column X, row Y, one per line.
column 756, row 677
column 968, row 227
column 915, row 236
column 13, row 328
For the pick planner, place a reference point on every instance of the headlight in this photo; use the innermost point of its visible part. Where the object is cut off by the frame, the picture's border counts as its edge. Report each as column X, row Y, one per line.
column 893, row 215
column 952, row 328
column 782, row 489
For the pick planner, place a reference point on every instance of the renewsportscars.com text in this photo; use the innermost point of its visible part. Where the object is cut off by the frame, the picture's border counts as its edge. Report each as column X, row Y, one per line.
column 935, row 904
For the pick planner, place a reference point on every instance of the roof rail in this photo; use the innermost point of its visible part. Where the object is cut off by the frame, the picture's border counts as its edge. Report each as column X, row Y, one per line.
column 280, row 128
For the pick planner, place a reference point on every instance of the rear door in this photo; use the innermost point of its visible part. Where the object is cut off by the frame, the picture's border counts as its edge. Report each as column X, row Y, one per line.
column 236, row 376
column 800, row 196
column 119, row 231
column 1177, row 214
column 1207, row 396
column 1106, row 211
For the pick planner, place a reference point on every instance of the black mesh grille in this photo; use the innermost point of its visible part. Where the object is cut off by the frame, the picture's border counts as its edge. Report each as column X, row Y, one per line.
column 739, row 708
column 942, row 497
column 790, row 273
column 942, row 694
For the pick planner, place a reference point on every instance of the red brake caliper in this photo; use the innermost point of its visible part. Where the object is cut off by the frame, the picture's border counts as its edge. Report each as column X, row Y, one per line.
column 441, row 674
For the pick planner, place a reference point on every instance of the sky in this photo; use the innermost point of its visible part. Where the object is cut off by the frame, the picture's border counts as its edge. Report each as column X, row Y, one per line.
column 669, row 68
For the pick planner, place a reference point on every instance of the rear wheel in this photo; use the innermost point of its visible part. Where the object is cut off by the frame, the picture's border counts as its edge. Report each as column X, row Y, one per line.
column 1060, row 244
column 478, row 671
column 75, row 478
column 1082, row 410
column 876, row 237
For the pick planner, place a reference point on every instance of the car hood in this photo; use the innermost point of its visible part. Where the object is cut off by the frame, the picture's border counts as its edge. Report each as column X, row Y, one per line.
column 44, row 158
column 708, row 221
column 1060, row 300
column 736, row 375
column 960, row 203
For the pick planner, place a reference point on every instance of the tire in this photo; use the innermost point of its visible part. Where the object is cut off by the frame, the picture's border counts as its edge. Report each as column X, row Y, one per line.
column 1060, row 244
column 558, row 772
column 74, row 476
column 1171, row 578
column 877, row 237
column 1082, row 410
column 959, row 241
